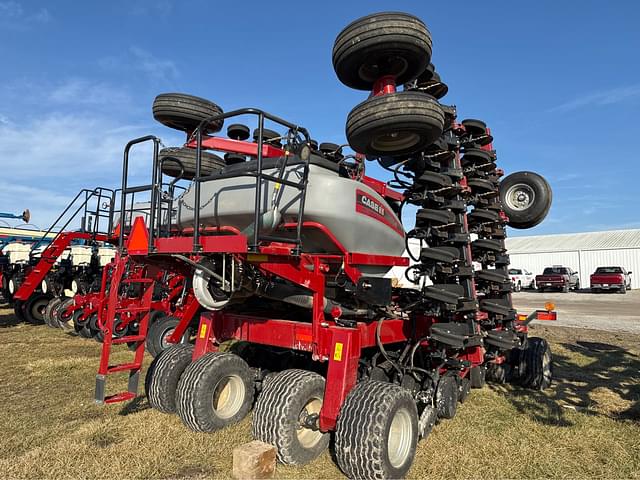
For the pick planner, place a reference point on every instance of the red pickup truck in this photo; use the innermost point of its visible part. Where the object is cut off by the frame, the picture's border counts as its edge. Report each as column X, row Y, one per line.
column 558, row 278
column 610, row 278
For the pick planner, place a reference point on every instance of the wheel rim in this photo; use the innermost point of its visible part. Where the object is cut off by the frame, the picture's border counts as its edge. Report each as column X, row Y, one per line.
column 520, row 197
column 37, row 309
column 307, row 437
column 228, row 396
column 395, row 141
column 164, row 339
column 400, row 438
column 390, row 65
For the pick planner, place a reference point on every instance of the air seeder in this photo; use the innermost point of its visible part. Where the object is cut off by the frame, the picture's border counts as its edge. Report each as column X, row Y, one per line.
column 288, row 245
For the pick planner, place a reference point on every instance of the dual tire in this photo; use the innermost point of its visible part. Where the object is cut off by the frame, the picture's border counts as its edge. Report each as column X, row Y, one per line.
column 398, row 46
column 211, row 393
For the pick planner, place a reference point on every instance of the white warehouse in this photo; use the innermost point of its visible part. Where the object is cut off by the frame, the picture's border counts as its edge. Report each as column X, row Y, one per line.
column 583, row 252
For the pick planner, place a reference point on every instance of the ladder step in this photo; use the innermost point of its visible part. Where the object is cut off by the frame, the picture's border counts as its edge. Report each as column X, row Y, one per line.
column 137, row 280
column 127, row 339
column 123, row 366
column 119, row 397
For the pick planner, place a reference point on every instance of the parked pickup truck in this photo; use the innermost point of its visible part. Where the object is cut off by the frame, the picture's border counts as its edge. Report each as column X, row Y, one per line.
column 610, row 278
column 558, row 278
column 522, row 278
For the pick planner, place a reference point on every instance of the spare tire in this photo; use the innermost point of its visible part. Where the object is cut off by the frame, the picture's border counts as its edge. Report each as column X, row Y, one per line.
column 395, row 124
column 388, row 43
column 185, row 112
column 187, row 157
column 526, row 199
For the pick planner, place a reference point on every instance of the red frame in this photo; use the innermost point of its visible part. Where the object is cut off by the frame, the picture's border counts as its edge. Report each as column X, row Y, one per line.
column 323, row 338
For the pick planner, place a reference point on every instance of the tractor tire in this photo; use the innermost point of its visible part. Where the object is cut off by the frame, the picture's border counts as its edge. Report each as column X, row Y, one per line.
column 381, row 44
column 18, row 310
column 477, row 376
column 34, row 308
column 59, row 316
column 163, row 375
column 185, row 112
column 209, row 164
column 447, row 397
column 536, row 367
column 394, row 124
column 377, row 431
column 463, row 389
column 158, row 333
column 285, row 399
column 54, row 302
column 85, row 332
column 224, row 377
column 526, row 199
column 52, row 306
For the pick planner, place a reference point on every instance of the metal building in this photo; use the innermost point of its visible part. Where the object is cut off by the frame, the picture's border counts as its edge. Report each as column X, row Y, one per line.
column 583, row 252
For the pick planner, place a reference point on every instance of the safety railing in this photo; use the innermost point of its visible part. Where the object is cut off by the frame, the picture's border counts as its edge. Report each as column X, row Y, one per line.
column 96, row 206
column 160, row 211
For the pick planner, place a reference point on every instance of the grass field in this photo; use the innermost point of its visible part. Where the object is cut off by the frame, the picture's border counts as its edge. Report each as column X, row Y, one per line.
column 586, row 426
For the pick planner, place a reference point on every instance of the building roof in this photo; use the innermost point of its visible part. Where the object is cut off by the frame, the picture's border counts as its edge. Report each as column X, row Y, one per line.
column 613, row 239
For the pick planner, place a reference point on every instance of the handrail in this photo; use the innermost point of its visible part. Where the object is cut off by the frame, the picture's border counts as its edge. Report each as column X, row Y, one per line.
column 262, row 115
column 98, row 193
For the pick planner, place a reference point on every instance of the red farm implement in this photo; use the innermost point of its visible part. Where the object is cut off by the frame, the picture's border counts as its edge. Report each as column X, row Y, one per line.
column 289, row 249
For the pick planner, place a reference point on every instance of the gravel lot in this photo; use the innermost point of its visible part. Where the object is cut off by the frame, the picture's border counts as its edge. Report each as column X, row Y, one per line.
column 612, row 312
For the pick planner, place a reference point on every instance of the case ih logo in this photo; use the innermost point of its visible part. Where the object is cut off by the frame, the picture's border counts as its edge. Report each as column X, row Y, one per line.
column 368, row 202
column 369, row 206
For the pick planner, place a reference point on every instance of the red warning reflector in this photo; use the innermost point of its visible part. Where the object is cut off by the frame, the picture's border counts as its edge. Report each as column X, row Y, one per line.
column 545, row 315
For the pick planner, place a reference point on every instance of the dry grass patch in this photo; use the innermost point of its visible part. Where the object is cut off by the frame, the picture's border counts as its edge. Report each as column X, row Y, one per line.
column 585, row 426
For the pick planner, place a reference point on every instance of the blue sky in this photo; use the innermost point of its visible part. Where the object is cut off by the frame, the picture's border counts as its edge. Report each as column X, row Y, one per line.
column 558, row 83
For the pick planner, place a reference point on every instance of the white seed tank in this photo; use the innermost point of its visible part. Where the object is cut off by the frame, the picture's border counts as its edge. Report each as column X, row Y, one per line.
column 357, row 216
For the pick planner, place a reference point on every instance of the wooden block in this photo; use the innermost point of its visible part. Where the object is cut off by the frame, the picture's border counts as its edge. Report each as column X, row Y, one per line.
column 254, row 460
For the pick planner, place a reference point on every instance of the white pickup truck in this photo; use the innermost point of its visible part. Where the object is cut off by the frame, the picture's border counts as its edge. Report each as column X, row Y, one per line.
column 521, row 278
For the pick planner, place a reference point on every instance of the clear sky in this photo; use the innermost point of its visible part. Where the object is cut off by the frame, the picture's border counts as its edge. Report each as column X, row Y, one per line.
column 558, row 83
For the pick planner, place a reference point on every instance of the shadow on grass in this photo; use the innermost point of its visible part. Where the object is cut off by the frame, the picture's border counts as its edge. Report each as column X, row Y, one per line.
column 610, row 370
column 8, row 319
column 136, row 405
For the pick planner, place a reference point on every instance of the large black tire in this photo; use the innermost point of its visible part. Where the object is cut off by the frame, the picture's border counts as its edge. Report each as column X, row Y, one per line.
column 364, row 427
column 34, row 308
column 394, row 124
column 54, row 302
column 185, row 112
column 276, row 417
column 162, row 377
column 158, row 332
column 18, row 310
column 536, row 367
column 477, row 376
column 447, row 397
column 526, row 199
column 388, row 43
column 61, row 318
column 209, row 164
column 215, row 391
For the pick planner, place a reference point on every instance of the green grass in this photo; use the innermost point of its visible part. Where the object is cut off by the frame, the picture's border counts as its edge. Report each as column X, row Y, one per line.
column 585, row 426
